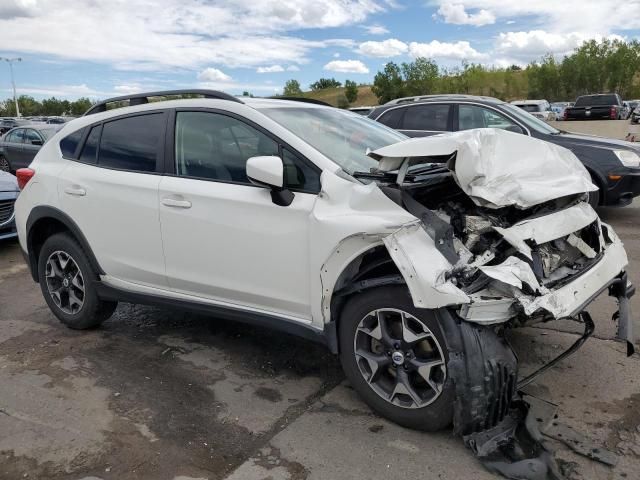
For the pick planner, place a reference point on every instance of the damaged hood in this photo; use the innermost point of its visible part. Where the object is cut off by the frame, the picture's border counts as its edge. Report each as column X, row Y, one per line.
column 497, row 168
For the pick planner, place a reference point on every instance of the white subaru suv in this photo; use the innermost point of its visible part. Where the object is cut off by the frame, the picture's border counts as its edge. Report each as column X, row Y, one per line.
column 409, row 258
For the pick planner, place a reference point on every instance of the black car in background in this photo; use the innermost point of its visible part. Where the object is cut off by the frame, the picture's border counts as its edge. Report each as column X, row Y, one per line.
column 19, row 145
column 614, row 165
column 606, row 106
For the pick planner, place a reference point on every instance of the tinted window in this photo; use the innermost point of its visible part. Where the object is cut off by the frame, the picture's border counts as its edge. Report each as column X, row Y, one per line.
column 16, row 136
column 299, row 174
column 213, row 146
column 593, row 100
column 90, row 148
column 31, row 136
column 69, row 144
column 131, row 143
column 426, row 117
column 473, row 116
column 392, row 118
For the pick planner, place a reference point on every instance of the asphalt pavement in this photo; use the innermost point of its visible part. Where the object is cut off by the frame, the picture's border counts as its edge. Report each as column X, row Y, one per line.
column 161, row 394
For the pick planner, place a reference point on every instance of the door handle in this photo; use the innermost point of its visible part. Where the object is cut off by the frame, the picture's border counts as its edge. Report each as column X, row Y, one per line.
column 75, row 191
column 172, row 202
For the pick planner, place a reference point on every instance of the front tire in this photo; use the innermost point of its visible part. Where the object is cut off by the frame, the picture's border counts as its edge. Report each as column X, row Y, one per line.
column 68, row 282
column 395, row 357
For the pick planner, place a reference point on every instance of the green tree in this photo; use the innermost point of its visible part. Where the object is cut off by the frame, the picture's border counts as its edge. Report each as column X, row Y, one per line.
column 325, row 83
column 420, row 76
column 292, row 88
column 388, row 84
column 351, row 90
column 77, row 107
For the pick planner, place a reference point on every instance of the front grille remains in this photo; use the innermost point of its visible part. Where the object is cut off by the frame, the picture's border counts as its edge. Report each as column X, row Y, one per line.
column 6, row 210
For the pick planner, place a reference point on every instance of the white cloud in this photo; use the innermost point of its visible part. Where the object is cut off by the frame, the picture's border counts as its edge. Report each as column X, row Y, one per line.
column 293, row 68
column 188, row 34
column 211, row 74
column 386, row 48
column 461, row 50
column 336, row 55
column 375, row 29
column 125, row 89
column 346, row 66
column 535, row 43
column 456, row 14
column 271, row 69
column 593, row 16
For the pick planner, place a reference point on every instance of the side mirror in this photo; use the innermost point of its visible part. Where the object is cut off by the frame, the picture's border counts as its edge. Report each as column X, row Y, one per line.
column 269, row 172
column 36, row 142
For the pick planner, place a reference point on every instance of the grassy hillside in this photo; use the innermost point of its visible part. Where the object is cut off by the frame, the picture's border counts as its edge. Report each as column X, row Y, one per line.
column 331, row 95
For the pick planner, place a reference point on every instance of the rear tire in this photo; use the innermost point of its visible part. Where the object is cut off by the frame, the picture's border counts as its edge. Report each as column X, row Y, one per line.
column 68, row 283
column 395, row 357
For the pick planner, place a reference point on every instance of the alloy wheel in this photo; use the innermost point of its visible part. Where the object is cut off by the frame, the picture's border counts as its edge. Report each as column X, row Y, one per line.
column 400, row 358
column 65, row 282
column 4, row 165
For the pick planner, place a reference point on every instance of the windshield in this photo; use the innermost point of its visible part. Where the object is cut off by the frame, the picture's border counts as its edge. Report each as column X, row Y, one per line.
column 529, row 120
column 341, row 136
column 591, row 100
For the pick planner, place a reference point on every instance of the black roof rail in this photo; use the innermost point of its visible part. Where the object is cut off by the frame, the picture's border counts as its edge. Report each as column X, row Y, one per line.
column 142, row 98
column 303, row 100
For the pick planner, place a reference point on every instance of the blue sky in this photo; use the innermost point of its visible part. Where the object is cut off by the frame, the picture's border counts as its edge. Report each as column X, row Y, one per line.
column 74, row 48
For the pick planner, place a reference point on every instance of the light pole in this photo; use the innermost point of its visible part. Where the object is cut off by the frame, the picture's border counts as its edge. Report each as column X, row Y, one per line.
column 13, row 83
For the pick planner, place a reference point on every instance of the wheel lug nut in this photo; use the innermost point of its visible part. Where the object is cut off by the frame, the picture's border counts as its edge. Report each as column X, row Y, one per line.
column 396, row 346
column 389, row 354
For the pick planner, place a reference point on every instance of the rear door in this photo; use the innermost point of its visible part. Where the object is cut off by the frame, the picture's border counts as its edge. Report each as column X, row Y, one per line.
column 111, row 191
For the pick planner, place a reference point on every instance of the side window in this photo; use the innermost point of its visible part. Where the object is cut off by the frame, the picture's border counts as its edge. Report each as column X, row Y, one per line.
column 32, row 136
column 90, row 149
column 473, row 116
column 17, row 136
column 392, row 118
column 434, row 117
column 69, row 144
column 132, row 143
column 216, row 147
column 299, row 174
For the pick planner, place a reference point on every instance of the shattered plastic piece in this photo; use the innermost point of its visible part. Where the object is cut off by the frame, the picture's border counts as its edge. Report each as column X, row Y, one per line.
column 514, row 448
column 485, row 169
column 515, row 272
column 579, row 443
column 581, row 245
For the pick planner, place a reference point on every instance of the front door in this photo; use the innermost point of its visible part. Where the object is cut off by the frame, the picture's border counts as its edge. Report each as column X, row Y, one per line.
column 224, row 239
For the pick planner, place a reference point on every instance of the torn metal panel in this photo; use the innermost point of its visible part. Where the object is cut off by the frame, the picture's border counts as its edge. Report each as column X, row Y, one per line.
column 579, row 443
column 548, row 227
column 497, row 168
column 423, row 268
column 487, row 310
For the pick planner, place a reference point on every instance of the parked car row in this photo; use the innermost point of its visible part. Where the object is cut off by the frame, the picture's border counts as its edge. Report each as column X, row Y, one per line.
column 614, row 165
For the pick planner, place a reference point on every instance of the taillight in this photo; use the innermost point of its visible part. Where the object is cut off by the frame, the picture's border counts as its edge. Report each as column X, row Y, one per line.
column 24, row 175
column 612, row 113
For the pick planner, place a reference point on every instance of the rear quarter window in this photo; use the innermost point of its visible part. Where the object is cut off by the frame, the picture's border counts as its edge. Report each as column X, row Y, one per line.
column 69, row 144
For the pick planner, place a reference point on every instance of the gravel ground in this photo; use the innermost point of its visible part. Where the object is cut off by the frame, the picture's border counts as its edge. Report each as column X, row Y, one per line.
column 159, row 394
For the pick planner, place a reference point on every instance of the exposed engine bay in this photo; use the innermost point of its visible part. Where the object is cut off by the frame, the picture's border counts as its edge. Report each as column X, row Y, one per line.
column 514, row 246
